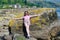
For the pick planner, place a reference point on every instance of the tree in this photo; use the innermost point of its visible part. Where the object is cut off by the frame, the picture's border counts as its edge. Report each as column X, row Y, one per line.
column 25, row 1
column 9, row 1
column 0, row 2
column 4, row 1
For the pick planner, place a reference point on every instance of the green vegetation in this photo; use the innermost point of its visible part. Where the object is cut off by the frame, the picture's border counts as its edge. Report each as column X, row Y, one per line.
column 6, row 3
column 20, row 38
column 23, row 3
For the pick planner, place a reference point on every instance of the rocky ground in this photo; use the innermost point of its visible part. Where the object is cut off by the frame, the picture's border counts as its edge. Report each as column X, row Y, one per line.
column 36, row 35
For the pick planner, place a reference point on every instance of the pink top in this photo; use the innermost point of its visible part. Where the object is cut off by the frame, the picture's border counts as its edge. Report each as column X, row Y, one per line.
column 27, row 19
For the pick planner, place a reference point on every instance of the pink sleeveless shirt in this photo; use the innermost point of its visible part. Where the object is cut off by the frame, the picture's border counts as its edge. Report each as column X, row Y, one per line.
column 27, row 20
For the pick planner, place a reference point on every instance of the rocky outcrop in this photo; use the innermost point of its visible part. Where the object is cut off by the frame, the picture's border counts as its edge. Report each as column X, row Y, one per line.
column 40, row 29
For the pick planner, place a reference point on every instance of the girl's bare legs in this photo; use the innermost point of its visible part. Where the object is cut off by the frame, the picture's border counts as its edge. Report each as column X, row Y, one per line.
column 27, row 29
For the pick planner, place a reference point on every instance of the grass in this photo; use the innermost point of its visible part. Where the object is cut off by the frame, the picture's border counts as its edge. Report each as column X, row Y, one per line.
column 20, row 38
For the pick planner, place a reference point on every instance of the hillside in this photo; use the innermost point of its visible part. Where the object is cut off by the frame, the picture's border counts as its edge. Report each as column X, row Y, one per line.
column 45, row 3
column 30, row 3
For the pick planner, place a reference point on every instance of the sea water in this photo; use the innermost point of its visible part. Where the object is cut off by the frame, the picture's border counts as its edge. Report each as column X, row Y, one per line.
column 58, row 13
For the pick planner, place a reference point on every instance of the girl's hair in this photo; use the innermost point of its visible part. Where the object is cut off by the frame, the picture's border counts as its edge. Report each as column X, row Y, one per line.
column 26, row 13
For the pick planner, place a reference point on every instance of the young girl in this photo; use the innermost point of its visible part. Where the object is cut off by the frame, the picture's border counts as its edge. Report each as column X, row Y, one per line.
column 26, row 21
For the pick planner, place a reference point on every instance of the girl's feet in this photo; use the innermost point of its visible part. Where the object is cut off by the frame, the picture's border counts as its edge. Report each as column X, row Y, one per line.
column 28, row 37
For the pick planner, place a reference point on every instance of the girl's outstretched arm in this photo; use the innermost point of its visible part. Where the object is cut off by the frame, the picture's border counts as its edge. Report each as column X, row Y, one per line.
column 32, row 16
column 35, row 15
column 18, row 18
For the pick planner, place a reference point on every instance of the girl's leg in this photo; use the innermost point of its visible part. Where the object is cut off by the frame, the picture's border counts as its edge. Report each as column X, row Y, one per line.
column 27, row 29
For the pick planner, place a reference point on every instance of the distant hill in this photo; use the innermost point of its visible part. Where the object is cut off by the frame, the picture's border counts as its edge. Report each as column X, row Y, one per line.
column 45, row 3
column 31, row 3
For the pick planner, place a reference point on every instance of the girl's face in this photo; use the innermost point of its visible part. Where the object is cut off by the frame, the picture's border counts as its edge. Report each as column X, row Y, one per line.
column 26, row 13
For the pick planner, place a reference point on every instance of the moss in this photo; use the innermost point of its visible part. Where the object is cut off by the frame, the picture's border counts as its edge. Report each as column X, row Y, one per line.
column 20, row 38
